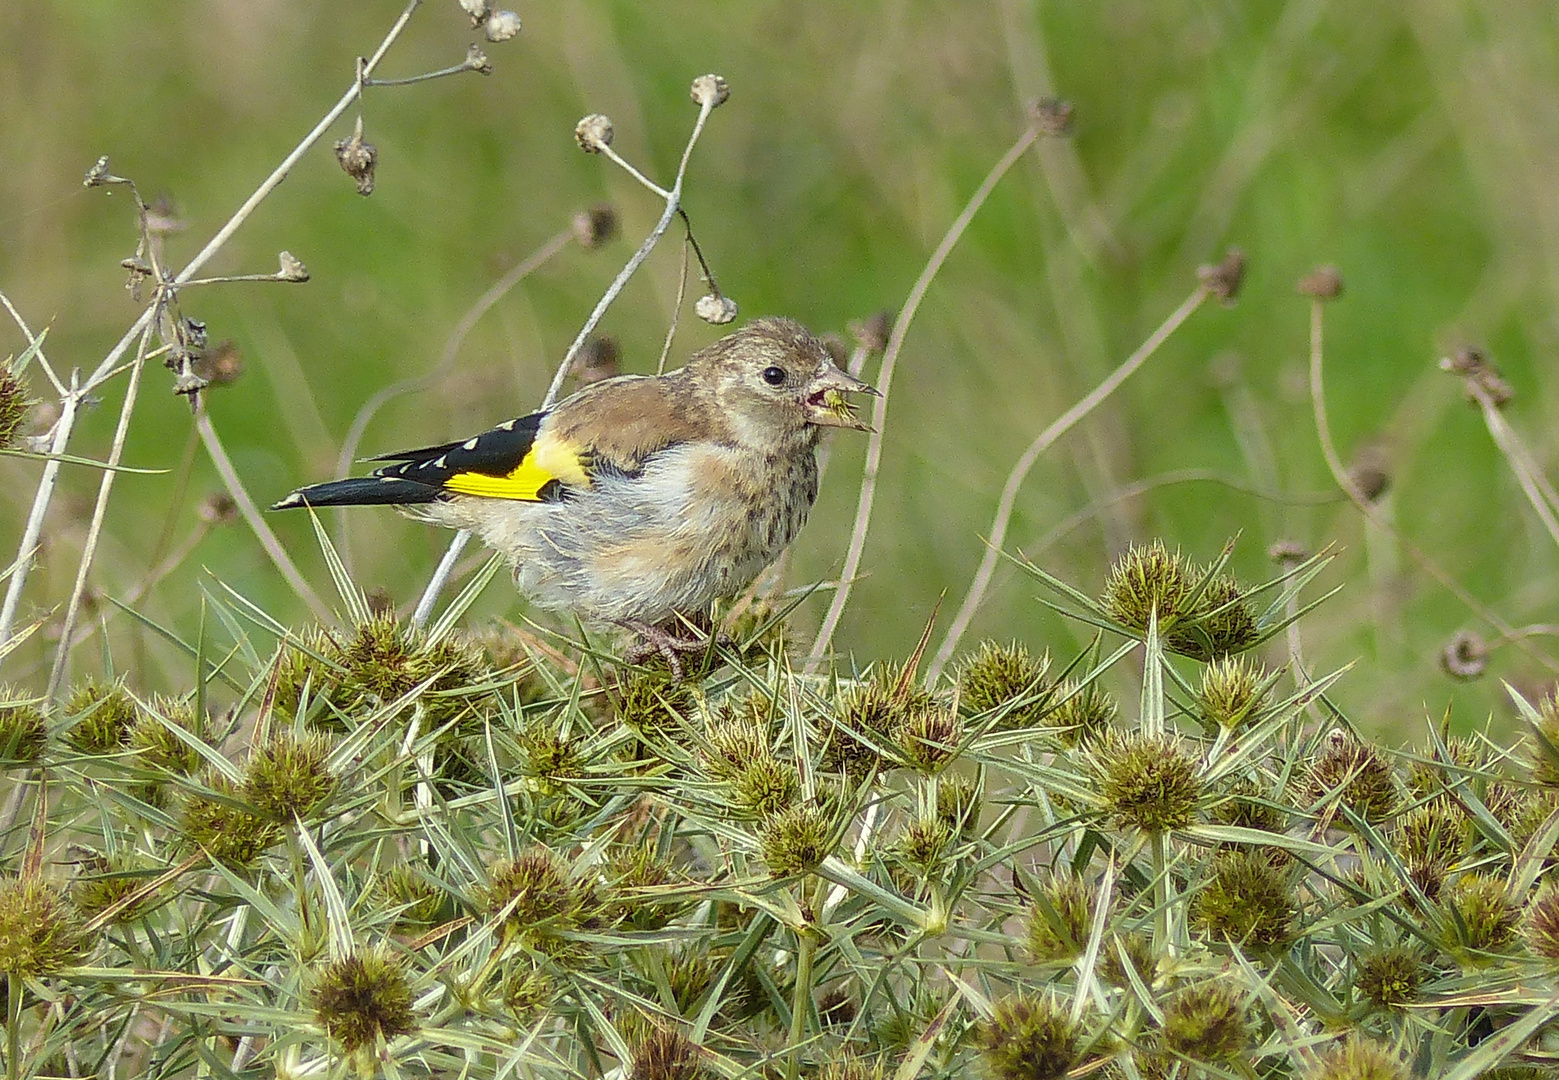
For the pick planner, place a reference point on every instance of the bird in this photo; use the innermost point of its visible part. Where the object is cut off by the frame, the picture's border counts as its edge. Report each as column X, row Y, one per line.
column 640, row 500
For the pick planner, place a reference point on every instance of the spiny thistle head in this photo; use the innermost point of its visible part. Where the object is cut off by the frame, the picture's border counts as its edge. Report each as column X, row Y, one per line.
column 1481, row 914
column 1247, row 900
column 415, row 900
column 652, row 705
column 796, row 840
column 157, row 746
column 362, row 997
column 957, row 803
column 1359, row 1058
column 1061, row 919
column 527, row 992
column 1542, row 923
column 222, row 826
column 1357, row 773
column 1389, row 977
column 552, row 758
column 532, row 892
column 665, row 1055
column 1147, row 783
column 1247, row 808
column 288, row 776
column 1118, row 950
column 1006, row 678
column 1433, row 833
column 1082, row 713
column 101, row 716
column 385, row 659
column 924, row 845
column 850, row 1068
column 23, row 731
column 1433, row 774
column 1029, row 1038
column 631, row 869
column 1231, row 691
column 865, row 715
column 1148, row 581
column 14, row 404
column 1220, row 623
column 1207, row 1021
column 40, row 930
column 928, row 736
column 1545, row 763
column 732, row 740
column 765, row 786
column 308, row 659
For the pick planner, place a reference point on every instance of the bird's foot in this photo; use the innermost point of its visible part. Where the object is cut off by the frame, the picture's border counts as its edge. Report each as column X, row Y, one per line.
column 659, row 641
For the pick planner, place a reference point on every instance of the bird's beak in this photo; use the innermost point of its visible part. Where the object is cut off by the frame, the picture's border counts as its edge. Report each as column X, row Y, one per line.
column 826, row 405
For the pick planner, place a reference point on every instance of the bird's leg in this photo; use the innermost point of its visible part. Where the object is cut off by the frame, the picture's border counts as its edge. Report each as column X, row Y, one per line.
column 657, row 639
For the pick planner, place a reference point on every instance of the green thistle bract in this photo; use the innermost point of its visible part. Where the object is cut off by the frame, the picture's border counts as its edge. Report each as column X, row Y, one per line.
column 102, row 716
column 924, row 845
column 665, row 1055
column 551, row 758
column 23, row 731
column 1360, row 1059
column 1389, row 977
column 1005, row 677
column 1357, row 773
column 287, row 776
column 796, row 840
column 1148, row 784
column 1231, row 692
column 361, row 998
column 1060, row 920
column 40, row 931
column 14, row 404
column 928, row 736
column 1481, row 913
column 1082, row 713
column 766, row 785
column 229, row 833
column 415, row 900
column 1246, row 901
column 158, row 747
column 1207, row 1022
column 652, row 706
column 1029, row 1038
column 532, row 894
column 865, row 716
column 527, row 993
column 1144, row 582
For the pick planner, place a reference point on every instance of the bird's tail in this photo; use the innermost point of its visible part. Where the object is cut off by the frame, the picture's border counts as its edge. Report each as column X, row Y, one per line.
column 362, row 491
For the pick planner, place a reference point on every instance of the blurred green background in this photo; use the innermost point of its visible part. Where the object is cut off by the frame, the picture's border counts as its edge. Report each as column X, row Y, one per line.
column 1414, row 145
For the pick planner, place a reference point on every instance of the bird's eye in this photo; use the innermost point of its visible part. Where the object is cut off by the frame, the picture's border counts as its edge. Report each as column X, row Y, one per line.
column 774, row 376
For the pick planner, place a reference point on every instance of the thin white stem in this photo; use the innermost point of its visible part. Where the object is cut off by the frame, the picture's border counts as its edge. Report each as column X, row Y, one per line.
column 251, row 514
column 1042, row 442
column 99, row 511
column 1536, row 487
column 863, row 512
column 32, row 343
column 612, row 155
column 424, row 612
column 676, row 315
column 673, row 204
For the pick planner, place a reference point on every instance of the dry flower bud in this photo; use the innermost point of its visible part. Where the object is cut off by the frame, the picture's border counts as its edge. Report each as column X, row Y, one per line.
column 193, row 332
column 711, row 90
column 477, row 9
column 501, row 26
column 1481, row 379
column 218, row 508
column 595, row 226
column 1370, row 473
column 98, row 174
column 1322, row 283
column 222, row 365
column 187, row 384
column 715, row 309
column 1466, row 656
column 1288, row 551
column 872, row 333
column 477, row 60
column 1052, row 116
column 598, row 360
column 1223, row 279
column 358, row 159
column 593, row 133
column 291, row 268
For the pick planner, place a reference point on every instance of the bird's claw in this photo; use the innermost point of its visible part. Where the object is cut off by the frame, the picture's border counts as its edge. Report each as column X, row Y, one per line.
column 659, row 641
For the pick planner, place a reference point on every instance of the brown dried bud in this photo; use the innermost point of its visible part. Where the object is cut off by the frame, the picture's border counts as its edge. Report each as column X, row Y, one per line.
column 711, row 90
column 715, row 309
column 1052, row 116
column 1223, row 279
column 291, row 268
column 358, row 159
column 872, row 333
column 222, row 365
column 1322, row 283
column 595, row 226
column 477, row 60
column 1481, row 379
column 1466, row 656
column 187, row 384
column 1287, row 551
column 593, row 133
column 501, row 26
column 1370, row 473
column 597, row 361
column 218, row 508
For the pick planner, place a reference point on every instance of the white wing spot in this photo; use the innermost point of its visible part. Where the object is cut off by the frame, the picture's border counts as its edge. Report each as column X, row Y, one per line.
column 507, row 425
column 442, row 462
column 469, row 444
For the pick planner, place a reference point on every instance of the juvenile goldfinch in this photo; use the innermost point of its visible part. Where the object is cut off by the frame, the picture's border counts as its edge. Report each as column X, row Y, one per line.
column 639, row 498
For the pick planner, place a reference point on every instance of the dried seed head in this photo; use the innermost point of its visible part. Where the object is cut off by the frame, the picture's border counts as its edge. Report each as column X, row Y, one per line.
column 1051, row 116
column 291, row 268
column 1486, row 920
column 593, row 133
column 924, row 846
column 1390, row 977
column 594, row 227
column 1357, row 772
column 1145, row 581
column 1542, row 923
column 414, row 899
column 1148, row 784
column 796, row 840
column 362, row 998
column 1370, row 473
column 1223, row 279
column 14, row 404
column 476, row 60
column 715, row 309
column 217, row 508
column 1480, row 378
column 665, row 1055
column 101, row 716
column 288, row 776
column 1231, row 692
column 221, row 365
column 1005, row 677
column 1083, row 714
column 501, row 26
column 1248, row 901
column 23, row 731
column 1322, row 283
column 1207, row 1022
column 711, row 90
column 40, row 931
column 229, row 834
column 1465, row 656
column 477, row 9
column 1359, row 1058
column 1061, row 919
column 358, row 159
column 531, row 894
column 1029, row 1038
column 1288, row 552
column 99, row 174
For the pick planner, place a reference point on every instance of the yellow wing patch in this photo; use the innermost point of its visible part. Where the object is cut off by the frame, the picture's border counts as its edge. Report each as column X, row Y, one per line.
column 548, row 459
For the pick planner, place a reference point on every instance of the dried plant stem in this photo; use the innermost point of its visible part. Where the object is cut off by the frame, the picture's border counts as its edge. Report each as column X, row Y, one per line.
column 34, row 346
column 673, row 204
column 1343, row 480
column 1042, row 442
column 863, row 512
column 676, row 313
column 251, row 515
column 1535, row 486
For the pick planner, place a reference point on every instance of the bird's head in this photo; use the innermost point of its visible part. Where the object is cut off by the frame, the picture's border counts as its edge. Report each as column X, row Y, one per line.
column 773, row 381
